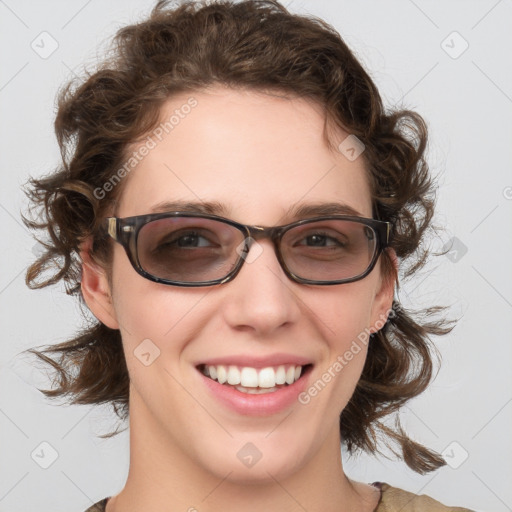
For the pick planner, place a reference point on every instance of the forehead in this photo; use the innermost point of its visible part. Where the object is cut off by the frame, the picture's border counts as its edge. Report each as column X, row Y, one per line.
column 256, row 154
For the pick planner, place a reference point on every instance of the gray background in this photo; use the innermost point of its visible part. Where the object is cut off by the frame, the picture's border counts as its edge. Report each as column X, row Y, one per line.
column 466, row 98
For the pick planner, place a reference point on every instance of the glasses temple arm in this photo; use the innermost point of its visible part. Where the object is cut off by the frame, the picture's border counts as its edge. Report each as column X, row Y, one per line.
column 112, row 227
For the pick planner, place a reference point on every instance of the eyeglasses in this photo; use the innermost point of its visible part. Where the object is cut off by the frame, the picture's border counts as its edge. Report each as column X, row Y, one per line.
column 192, row 249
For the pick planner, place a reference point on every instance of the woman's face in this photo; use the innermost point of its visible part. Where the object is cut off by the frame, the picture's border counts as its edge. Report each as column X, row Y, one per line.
column 260, row 157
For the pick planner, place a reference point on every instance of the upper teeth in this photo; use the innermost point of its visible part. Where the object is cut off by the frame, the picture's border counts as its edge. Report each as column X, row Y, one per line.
column 252, row 377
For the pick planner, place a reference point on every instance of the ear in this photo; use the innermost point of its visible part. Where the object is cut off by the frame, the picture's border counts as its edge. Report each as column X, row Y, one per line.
column 384, row 298
column 96, row 288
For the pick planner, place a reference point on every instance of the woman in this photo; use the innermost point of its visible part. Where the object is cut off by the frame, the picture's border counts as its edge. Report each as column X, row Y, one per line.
column 234, row 205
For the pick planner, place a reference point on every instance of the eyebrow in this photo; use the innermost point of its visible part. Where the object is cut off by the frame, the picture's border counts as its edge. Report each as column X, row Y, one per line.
column 210, row 207
column 303, row 210
column 294, row 212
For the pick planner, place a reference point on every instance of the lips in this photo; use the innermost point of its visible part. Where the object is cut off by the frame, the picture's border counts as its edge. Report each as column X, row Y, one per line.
column 256, row 386
column 255, row 372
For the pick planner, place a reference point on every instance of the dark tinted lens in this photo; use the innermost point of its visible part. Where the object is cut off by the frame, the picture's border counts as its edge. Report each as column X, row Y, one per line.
column 188, row 249
column 329, row 250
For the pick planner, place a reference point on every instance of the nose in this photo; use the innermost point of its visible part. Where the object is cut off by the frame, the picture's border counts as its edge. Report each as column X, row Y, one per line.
column 261, row 298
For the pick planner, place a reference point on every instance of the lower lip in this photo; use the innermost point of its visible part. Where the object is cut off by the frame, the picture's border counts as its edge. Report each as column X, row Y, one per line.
column 263, row 404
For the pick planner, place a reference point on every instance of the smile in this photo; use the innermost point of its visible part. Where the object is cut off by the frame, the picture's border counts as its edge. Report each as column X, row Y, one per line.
column 256, row 385
column 255, row 382
column 252, row 380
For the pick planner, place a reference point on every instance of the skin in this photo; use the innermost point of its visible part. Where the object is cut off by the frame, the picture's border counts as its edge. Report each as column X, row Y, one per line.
column 258, row 155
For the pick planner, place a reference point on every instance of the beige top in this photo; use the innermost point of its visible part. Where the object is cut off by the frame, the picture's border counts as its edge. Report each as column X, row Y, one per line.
column 398, row 500
column 391, row 500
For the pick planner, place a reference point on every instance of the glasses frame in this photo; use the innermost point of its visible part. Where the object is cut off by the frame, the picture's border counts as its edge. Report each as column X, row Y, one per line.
column 126, row 230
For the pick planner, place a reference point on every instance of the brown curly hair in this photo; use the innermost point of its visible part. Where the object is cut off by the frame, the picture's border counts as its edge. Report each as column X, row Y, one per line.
column 254, row 44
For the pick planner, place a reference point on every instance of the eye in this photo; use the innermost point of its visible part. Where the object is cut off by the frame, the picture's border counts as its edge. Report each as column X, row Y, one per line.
column 184, row 240
column 321, row 240
column 320, row 236
column 192, row 240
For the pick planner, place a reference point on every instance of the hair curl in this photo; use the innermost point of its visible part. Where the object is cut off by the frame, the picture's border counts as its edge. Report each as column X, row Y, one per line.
column 261, row 46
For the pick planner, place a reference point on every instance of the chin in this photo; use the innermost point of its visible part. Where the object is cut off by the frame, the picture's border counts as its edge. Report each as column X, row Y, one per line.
column 256, row 462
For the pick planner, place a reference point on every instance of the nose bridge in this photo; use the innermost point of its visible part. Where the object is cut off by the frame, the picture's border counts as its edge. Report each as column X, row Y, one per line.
column 272, row 233
column 259, row 232
column 262, row 232
column 263, row 300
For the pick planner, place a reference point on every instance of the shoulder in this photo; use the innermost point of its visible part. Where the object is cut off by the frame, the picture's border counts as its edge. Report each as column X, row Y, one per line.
column 98, row 507
column 395, row 500
column 392, row 500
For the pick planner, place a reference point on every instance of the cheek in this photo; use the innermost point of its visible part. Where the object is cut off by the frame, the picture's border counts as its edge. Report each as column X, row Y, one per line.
column 343, row 315
column 157, row 322
column 153, row 318
column 343, row 312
